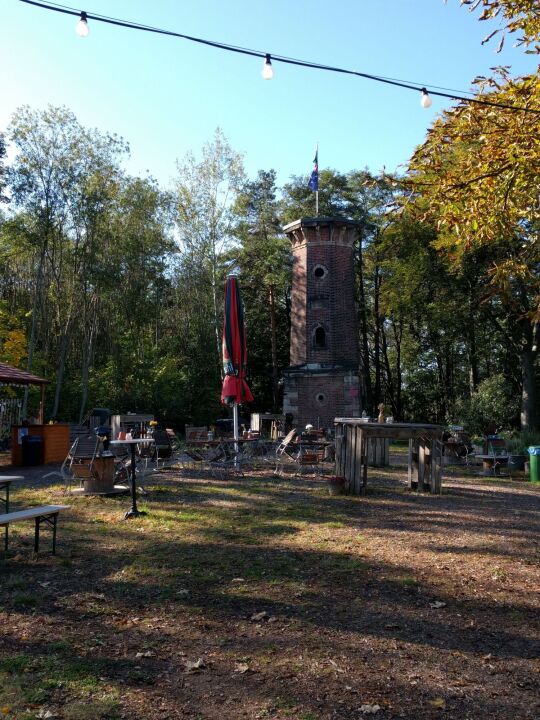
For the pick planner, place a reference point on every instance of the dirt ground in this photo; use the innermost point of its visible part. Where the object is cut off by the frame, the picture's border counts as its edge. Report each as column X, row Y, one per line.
column 265, row 597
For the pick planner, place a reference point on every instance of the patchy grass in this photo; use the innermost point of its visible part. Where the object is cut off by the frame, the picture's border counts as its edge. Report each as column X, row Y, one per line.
column 259, row 597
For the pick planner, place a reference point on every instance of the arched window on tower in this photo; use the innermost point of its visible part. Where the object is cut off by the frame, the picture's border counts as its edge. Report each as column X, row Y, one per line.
column 319, row 338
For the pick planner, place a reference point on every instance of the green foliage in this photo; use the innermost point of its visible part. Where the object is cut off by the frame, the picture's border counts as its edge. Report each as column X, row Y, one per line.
column 493, row 403
column 518, row 443
column 113, row 289
column 264, row 260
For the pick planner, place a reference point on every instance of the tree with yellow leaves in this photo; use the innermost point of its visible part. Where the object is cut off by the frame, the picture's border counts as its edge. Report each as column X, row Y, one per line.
column 477, row 179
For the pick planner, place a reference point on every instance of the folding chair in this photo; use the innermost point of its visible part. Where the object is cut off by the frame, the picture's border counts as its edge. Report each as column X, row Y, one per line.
column 282, row 453
column 162, row 448
column 498, row 451
column 79, row 462
column 309, row 458
column 175, row 444
column 122, row 463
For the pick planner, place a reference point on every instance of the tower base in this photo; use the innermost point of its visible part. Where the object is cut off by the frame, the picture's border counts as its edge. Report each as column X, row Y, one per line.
column 316, row 395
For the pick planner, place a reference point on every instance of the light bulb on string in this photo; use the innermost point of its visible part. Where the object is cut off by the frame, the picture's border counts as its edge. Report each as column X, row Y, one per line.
column 81, row 28
column 268, row 70
column 425, row 100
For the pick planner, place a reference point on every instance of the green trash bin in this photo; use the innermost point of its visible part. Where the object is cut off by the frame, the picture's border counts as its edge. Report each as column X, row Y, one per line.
column 534, row 463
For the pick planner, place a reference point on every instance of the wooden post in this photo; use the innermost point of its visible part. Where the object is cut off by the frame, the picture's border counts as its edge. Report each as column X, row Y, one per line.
column 358, row 462
column 365, row 450
column 351, row 456
column 339, row 450
column 421, row 464
column 436, row 484
column 415, row 465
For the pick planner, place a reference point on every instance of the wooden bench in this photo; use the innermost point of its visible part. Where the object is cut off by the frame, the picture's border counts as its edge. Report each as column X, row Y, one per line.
column 47, row 514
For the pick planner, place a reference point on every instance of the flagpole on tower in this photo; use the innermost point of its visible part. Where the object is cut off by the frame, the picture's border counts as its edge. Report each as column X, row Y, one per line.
column 314, row 179
column 317, row 191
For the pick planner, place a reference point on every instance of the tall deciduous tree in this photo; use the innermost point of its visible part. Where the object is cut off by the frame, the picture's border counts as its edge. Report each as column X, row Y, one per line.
column 205, row 192
column 51, row 178
column 477, row 177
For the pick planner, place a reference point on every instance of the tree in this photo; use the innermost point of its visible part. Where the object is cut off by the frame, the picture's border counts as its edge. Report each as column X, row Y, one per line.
column 264, row 258
column 204, row 195
column 53, row 178
column 476, row 178
column 516, row 15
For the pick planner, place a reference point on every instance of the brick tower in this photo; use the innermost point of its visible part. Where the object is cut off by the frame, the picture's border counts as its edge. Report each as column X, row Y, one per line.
column 321, row 382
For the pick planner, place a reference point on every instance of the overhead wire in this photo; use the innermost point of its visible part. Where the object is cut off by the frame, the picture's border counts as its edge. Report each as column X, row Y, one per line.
column 408, row 85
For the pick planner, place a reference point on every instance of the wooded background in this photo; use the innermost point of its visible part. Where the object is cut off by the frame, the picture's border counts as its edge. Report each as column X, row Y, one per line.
column 112, row 286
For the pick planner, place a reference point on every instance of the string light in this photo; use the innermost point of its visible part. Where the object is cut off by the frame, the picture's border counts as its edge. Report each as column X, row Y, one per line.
column 425, row 100
column 267, row 71
column 81, row 28
column 417, row 87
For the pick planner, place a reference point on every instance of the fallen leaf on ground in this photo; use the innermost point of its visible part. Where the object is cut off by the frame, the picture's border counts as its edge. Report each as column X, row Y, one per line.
column 194, row 665
column 259, row 616
column 148, row 653
column 241, row 668
column 438, row 703
column 370, row 709
column 437, row 604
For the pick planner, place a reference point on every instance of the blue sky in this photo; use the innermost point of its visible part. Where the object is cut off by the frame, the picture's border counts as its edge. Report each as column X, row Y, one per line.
column 166, row 96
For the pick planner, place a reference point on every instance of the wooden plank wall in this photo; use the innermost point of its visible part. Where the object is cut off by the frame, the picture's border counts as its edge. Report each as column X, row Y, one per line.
column 55, row 442
column 350, row 449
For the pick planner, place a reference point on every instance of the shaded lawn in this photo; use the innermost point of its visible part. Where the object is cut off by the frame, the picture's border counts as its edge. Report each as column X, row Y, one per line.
column 260, row 597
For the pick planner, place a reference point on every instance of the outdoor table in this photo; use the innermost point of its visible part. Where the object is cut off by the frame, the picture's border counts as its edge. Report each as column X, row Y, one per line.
column 310, row 445
column 5, row 482
column 353, row 437
column 134, row 512
column 491, row 464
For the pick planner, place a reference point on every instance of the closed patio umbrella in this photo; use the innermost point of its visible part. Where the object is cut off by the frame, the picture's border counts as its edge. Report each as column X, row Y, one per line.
column 235, row 389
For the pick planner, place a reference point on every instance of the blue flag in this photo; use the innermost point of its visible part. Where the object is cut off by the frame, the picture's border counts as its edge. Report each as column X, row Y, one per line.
column 314, row 179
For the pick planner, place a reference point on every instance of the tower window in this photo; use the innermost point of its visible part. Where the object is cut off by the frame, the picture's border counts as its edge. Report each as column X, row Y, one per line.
column 320, row 272
column 320, row 337
column 320, row 398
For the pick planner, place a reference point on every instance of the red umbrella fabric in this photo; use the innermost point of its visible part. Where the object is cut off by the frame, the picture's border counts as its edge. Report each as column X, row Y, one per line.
column 235, row 388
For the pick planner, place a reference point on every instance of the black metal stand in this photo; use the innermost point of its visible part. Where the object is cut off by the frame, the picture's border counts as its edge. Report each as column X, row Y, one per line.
column 134, row 512
column 49, row 520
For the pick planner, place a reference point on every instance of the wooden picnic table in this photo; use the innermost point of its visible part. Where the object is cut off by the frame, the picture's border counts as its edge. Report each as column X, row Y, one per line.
column 491, row 464
column 353, row 438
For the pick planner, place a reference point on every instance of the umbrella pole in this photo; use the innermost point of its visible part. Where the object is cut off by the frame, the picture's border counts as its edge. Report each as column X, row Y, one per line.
column 235, row 432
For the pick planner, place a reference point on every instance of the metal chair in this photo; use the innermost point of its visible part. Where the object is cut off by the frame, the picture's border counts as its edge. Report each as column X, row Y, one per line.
column 309, row 458
column 498, row 451
column 282, row 453
column 79, row 462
